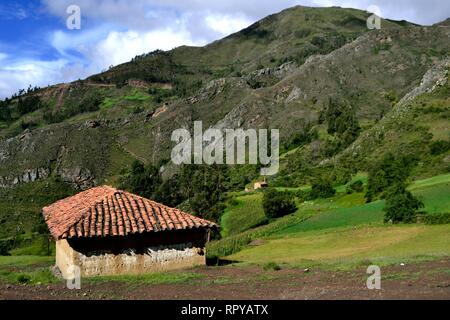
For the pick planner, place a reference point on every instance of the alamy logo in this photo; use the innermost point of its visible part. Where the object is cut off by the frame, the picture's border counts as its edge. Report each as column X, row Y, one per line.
column 73, row 279
column 374, row 281
column 74, row 19
column 374, row 21
column 209, row 147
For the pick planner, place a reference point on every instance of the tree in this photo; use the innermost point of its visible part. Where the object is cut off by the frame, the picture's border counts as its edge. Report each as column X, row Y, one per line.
column 5, row 113
column 277, row 203
column 391, row 170
column 142, row 180
column 42, row 229
column 206, row 186
column 439, row 147
column 356, row 186
column 198, row 189
column 28, row 104
column 401, row 205
column 169, row 192
column 342, row 122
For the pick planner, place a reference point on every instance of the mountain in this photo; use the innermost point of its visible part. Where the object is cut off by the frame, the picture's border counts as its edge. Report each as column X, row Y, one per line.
column 298, row 70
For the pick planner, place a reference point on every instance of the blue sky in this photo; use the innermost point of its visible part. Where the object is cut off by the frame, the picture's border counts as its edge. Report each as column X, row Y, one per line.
column 37, row 49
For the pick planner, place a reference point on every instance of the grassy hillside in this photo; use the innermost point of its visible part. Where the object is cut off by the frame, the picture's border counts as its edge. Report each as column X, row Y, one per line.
column 21, row 223
column 348, row 246
column 242, row 213
column 26, row 270
column 331, row 222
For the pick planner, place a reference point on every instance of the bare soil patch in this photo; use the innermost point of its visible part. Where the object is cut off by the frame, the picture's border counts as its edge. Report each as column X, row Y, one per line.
column 428, row 280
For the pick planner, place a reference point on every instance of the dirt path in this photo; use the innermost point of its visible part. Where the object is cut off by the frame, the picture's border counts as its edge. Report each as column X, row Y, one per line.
column 429, row 280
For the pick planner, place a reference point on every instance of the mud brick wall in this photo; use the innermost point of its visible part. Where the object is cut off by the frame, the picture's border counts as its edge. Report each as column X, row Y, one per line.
column 136, row 254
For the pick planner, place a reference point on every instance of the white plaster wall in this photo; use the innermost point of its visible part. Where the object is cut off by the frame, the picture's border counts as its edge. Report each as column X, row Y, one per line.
column 155, row 259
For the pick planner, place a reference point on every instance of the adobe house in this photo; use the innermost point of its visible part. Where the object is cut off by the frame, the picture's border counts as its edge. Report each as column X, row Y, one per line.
column 105, row 231
column 260, row 185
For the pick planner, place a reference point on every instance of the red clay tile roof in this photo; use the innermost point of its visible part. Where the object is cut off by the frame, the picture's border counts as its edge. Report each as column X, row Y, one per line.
column 105, row 211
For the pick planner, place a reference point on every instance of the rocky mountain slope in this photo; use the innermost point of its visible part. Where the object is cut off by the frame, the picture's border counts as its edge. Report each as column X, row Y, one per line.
column 280, row 73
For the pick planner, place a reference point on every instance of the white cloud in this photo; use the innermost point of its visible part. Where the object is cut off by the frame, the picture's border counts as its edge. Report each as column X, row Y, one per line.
column 20, row 74
column 114, row 31
column 227, row 24
column 119, row 47
column 85, row 54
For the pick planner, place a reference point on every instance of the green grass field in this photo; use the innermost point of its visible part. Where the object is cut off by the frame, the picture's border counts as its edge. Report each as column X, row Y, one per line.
column 26, row 269
column 370, row 213
column 342, row 230
column 150, row 279
column 246, row 212
column 346, row 247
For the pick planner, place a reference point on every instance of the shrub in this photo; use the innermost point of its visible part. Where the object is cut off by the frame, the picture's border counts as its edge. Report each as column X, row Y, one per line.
column 356, row 186
column 301, row 138
column 437, row 218
column 5, row 112
column 321, row 189
column 90, row 103
column 439, row 147
column 23, row 278
column 390, row 171
column 28, row 104
column 277, row 204
column 28, row 125
column 401, row 205
column 5, row 246
column 303, row 33
column 159, row 95
column 142, row 180
column 302, row 195
column 341, row 121
column 271, row 266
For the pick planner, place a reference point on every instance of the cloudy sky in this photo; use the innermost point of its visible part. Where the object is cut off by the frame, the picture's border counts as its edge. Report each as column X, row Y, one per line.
column 37, row 48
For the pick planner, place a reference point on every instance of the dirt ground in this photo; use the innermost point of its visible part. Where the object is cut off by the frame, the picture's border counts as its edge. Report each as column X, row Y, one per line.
column 428, row 280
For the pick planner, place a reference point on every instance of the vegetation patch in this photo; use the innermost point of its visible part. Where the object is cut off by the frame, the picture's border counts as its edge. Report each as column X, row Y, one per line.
column 382, row 244
column 149, row 279
column 32, row 270
column 242, row 213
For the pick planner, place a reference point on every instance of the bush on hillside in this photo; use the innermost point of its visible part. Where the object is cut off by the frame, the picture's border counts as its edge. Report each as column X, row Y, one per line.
column 401, row 205
column 436, row 218
column 390, row 171
column 321, row 188
column 5, row 112
column 90, row 103
column 356, row 186
column 142, row 180
column 301, row 138
column 277, row 203
column 271, row 266
column 199, row 189
column 5, row 246
column 28, row 104
column 439, row 147
column 342, row 122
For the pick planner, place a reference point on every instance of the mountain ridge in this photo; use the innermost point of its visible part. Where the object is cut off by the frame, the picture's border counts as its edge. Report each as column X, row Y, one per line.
column 326, row 53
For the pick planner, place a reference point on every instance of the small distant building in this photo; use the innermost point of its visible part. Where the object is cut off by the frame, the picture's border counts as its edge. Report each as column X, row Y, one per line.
column 105, row 231
column 260, row 185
